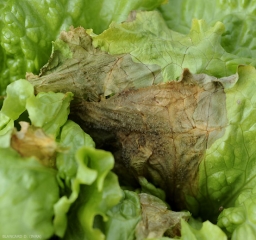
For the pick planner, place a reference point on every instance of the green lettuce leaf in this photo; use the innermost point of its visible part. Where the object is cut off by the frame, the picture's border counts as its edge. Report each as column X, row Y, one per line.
column 123, row 218
column 28, row 194
column 239, row 220
column 71, row 172
column 48, row 111
column 6, row 128
column 53, row 109
column 95, row 190
column 72, row 137
column 27, row 28
column 18, row 92
column 80, row 175
column 238, row 17
column 149, row 40
column 205, row 232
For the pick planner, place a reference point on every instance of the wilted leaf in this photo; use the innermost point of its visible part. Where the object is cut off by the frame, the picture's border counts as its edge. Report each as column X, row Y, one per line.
column 161, row 132
column 157, row 219
column 88, row 72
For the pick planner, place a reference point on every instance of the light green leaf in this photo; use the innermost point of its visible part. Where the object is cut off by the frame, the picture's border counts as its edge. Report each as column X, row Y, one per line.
column 49, row 111
column 95, row 190
column 240, row 220
column 17, row 95
column 123, row 217
column 99, row 160
column 207, row 231
column 72, row 137
column 28, row 193
column 238, row 17
column 89, row 204
column 6, row 128
column 149, row 40
column 46, row 110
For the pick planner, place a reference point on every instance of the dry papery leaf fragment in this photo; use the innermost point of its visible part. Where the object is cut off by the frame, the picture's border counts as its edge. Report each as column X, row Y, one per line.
column 33, row 142
column 157, row 219
column 156, row 130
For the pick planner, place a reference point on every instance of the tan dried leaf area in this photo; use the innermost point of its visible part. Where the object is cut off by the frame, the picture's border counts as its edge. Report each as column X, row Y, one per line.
column 157, row 219
column 31, row 141
column 160, row 132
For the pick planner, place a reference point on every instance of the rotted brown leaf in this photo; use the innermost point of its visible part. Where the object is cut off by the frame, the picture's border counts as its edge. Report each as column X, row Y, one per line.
column 160, row 132
column 88, row 72
column 157, row 219
column 31, row 141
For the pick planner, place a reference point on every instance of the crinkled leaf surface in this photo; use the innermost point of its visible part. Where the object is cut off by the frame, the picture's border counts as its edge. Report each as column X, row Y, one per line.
column 228, row 167
column 95, row 190
column 164, row 149
column 27, row 28
column 123, row 218
column 53, row 109
column 238, row 17
column 18, row 92
column 218, row 117
column 72, row 137
column 157, row 219
column 240, row 221
column 149, row 40
column 28, row 194
column 207, row 231
column 48, row 111
column 196, row 230
column 73, row 66
column 83, row 174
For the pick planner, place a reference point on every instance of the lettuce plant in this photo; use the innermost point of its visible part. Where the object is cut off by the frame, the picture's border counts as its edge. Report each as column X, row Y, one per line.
column 172, row 99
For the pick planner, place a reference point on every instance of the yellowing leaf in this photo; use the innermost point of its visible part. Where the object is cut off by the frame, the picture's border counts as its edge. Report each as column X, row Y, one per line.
column 32, row 141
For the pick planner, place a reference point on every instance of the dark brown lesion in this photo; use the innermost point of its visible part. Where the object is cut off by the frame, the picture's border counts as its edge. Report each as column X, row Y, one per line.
column 89, row 72
column 160, row 132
